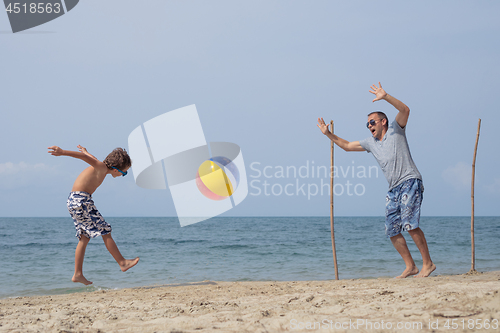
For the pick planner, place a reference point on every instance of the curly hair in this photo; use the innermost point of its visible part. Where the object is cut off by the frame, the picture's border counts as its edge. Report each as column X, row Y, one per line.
column 118, row 158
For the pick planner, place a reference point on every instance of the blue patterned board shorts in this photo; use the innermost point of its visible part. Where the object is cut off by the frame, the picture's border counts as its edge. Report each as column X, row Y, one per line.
column 88, row 221
column 402, row 207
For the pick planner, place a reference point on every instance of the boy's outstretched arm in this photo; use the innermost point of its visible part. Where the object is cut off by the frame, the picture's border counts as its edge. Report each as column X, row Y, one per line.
column 344, row 144
column 84, row 150
column 404, row 111
column 83, row 154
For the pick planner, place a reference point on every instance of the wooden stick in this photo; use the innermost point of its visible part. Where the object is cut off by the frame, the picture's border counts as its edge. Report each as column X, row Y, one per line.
column 331, row 208
column 473, row 251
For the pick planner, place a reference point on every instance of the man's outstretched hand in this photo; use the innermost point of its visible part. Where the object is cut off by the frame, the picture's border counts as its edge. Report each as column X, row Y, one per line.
column 322, row 126
column 379, row 92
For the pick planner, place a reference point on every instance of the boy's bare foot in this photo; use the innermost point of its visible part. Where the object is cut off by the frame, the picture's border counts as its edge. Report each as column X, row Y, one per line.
column 129, row 263
column 426, row 271
column 407, row 272
column 81, row 279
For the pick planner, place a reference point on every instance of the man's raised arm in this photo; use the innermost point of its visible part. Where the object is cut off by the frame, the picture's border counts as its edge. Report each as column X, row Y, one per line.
column 344, row 144
column 404, row 111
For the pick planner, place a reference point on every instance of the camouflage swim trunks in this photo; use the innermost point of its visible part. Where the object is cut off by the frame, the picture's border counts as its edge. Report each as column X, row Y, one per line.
column 88, row 221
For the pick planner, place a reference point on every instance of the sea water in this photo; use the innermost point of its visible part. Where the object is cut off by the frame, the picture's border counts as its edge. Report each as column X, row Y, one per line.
column 38, row 253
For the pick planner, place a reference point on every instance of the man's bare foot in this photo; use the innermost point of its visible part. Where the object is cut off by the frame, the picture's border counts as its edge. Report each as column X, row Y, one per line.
column 81, row 279
column 129, row 263
column 426, row 271
column 407, row 272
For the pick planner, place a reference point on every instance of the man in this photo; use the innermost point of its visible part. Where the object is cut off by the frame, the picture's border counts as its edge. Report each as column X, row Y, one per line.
column 389, row 147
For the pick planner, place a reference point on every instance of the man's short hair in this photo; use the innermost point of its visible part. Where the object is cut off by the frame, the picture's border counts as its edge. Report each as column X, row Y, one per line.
column 381, row 115
column 119, row 159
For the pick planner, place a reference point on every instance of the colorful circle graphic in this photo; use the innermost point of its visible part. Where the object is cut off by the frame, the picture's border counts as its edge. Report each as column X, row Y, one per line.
column 217, row 178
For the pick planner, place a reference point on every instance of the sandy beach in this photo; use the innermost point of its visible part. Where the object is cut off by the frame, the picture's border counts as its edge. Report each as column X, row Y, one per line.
column 460, row 303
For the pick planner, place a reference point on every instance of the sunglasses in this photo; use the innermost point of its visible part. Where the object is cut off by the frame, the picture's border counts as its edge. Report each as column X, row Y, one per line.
column 371, row 122
column 123, row 173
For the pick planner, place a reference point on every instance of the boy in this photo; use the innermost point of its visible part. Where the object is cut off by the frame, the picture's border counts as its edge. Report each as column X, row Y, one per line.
column 89, row 223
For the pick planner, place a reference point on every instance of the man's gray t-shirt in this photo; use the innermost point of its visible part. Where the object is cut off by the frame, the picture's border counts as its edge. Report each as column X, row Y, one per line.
column 393, row 155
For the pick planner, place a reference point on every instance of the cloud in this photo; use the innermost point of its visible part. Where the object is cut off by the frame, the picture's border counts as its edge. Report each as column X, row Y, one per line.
column 10, row 168
column 22, row 174
column 459, row 176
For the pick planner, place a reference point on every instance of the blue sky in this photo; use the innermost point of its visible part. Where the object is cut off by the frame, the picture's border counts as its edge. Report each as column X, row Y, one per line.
column 260, row 74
